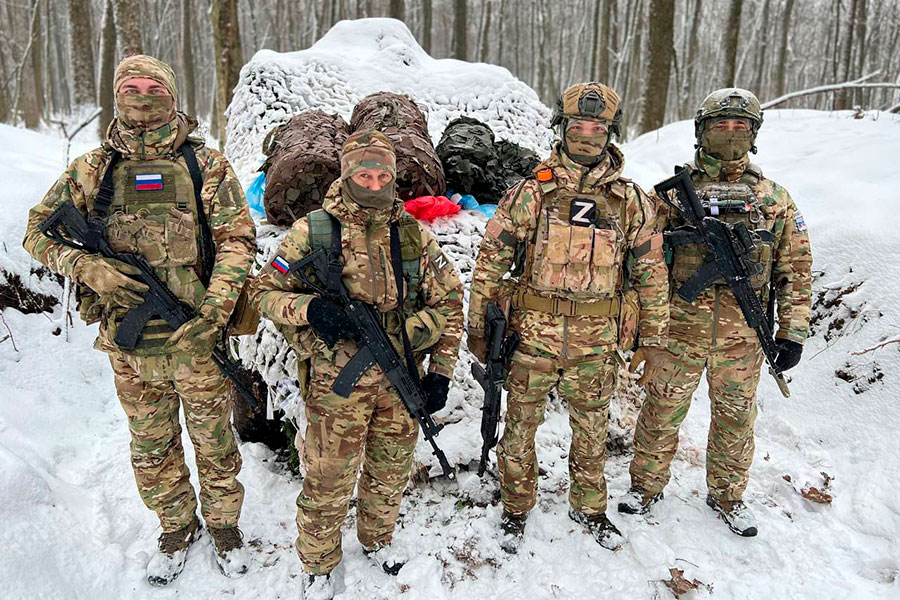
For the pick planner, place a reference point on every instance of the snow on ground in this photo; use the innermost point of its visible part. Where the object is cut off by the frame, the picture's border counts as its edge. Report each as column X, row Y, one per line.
column 361, row 57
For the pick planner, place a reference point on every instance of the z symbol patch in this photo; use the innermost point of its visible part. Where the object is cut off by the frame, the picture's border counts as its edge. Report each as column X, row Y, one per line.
column 582, row 212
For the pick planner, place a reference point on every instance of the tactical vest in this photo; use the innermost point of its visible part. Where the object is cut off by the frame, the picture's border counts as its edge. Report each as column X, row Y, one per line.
column 730, row 202
column 320, row 224
column 154, row 213
column 579, row 247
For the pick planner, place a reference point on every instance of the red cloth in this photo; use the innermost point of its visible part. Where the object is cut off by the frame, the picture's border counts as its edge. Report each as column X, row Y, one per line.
column 429, row 208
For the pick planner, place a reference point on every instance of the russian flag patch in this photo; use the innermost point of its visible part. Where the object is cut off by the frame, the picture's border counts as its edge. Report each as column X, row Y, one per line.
column 148, row 182
column 282, row 265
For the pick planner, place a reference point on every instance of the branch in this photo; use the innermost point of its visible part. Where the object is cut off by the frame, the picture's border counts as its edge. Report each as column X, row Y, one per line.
column 862, row 82
column 895, row 340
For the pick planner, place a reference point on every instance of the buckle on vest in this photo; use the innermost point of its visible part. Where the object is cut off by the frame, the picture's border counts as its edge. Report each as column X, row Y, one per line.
column 564, row 307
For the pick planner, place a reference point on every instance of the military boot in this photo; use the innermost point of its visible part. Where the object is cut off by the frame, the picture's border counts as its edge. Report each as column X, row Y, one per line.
column 601, row 528
column 231, row 555
column 638, row 502
column 736, row 515
column 513, row 528
column 389, row 557
column 317, row 587
column 168, row 562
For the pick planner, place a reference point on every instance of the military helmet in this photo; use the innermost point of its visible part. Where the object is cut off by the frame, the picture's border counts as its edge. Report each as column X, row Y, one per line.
column 729, row 103
column 590, row 100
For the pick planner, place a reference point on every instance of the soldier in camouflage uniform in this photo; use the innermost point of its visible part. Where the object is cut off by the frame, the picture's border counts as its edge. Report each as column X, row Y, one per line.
column 371, row 428
column 711, row 333
column 154, row 213
column 587, row 268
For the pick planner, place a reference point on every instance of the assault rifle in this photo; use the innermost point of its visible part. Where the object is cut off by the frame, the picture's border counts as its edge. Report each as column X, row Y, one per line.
column 68, row 226
column 728, row 258
column 499, row 348
column 375, row 347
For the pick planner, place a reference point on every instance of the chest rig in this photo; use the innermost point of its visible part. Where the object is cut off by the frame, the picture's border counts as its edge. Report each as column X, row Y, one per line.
column 153, row 208
column 731, row 202
column 324, row 229
column 574, row 263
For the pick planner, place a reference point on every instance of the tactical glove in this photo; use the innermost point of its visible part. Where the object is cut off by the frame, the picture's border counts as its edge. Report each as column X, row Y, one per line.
column 653, row 359
column 788, row 354
column 197, row 337
column 328, row 321
column 436, row 389
column 110, row 279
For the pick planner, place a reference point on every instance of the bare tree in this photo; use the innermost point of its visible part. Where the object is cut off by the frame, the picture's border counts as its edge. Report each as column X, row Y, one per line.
column 460, row 28
column 656, row 85
column 732, row 31
column 187, row 54
column 397, row 10
column 128, row 27
column 80, row 38
column 780, row 64
column 426, row 25
column 105, row 91
column 227, row 43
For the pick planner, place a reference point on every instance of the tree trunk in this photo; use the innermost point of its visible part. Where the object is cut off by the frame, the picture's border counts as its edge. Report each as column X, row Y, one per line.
column 486, row 34
column 397, row 10
column 426, row 25
column 128, row 27
column 229, row 58
column 662, row 35
column 187, row 53
column 762, row 52
column 781, row 64
column 80, row 38
column 843, row 99
column 34, row 106
column 861, row 30
column 460, row 30
column 105, row 91
column 732, row 31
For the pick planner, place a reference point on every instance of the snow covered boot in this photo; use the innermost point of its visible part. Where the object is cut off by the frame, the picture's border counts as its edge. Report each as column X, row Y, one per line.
column 389, row 557
column 168, row 562
column 601, row 528
column 638, row 502
column 231, row 555
column 317, row 587
column 736, row 515
column 513, row 528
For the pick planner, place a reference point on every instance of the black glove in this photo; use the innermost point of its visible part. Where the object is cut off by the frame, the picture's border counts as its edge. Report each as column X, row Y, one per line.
column 329, row 322
column 788, row 354
column 436, row 388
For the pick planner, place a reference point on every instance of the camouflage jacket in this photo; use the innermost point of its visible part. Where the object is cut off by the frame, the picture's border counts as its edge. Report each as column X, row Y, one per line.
column 232, row 228
column 369, row 276
column 715, row 314
column 515, row 224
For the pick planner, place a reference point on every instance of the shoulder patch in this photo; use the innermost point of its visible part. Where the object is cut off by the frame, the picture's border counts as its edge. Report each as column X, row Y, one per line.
column 281, row 265
column 799, row 221
column 544, row 174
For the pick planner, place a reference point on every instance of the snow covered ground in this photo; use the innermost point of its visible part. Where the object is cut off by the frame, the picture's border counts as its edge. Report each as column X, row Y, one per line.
column 72, row 525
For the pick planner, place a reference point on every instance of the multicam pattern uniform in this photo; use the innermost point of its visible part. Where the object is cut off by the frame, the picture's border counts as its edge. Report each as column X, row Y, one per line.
column 574, row 353
column 151, row 380
column 371, row 428
column 711, row 333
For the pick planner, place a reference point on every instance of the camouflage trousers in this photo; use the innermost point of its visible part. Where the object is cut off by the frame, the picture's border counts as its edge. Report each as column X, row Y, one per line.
column 151, row 390
column 372, row 429
column 586, row 386
column 732, row 371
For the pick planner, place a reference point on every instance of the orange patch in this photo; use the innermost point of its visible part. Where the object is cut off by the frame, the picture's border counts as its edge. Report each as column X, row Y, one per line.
column 544, row 175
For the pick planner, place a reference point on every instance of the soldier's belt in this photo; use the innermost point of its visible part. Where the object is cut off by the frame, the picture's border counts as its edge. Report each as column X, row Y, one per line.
column 571, row 308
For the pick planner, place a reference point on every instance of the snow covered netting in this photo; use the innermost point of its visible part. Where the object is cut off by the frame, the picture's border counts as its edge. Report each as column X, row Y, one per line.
column 357, row 58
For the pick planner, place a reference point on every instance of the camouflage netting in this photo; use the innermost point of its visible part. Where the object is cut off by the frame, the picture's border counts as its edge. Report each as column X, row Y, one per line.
column 303, row 159
column 476, row 164
column 419, row 170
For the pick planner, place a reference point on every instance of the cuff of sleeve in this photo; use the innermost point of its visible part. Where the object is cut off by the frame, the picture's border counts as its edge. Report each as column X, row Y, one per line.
column 213, row 313
column 791, row 336
column 69, row 267
column 440, row 368
column 658, row 342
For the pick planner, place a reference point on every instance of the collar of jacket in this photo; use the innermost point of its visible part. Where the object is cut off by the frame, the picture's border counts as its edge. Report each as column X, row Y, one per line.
column 139, row 144
column 722, row 170
column 608, row 169
column 345, row 210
